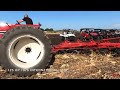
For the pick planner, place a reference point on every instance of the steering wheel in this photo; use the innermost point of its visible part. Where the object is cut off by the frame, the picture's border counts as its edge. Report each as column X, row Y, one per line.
column 17, row 22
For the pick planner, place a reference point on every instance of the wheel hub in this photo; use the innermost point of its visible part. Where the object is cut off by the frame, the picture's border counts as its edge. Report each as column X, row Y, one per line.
column 28, row 50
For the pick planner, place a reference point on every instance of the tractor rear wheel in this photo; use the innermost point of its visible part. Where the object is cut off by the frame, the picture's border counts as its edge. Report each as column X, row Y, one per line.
column 26, row 51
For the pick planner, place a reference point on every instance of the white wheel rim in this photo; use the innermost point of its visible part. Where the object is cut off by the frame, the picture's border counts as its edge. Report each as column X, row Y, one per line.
column 26, row 51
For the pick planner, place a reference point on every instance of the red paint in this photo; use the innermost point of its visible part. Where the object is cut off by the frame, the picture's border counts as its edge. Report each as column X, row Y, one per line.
column 1, row 35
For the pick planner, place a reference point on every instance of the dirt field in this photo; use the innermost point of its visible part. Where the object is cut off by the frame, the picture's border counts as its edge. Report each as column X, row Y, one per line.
column 77, row 66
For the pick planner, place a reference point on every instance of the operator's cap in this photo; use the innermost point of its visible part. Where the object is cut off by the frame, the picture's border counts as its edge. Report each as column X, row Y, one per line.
column 25, row 15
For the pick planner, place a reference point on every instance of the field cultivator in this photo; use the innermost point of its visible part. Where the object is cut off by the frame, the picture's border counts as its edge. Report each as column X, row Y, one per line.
column 92, row 45
column 90, row 41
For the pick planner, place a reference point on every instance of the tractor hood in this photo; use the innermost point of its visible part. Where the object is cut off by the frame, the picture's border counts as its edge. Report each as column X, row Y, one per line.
column 5, row 26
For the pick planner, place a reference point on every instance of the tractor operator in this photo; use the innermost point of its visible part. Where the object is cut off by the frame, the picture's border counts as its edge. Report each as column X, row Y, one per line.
column 26, row 19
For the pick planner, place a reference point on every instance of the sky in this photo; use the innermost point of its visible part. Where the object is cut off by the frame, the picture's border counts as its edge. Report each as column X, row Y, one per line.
column 66, row 19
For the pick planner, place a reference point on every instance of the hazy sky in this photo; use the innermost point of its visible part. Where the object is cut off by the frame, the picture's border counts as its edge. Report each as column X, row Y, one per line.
column 66, row 19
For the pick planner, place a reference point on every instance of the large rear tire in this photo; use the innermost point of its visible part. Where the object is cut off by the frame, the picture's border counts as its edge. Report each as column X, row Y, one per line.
column 26, row 51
